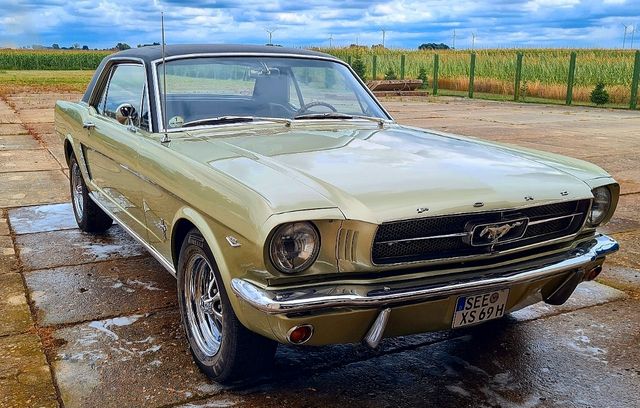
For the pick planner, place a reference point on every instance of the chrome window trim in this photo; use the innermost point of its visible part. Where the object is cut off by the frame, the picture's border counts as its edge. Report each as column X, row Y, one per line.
column 105, row 76
column 158, row 61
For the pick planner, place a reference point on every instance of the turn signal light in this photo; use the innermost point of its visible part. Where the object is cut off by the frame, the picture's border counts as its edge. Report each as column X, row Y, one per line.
column 300, row 334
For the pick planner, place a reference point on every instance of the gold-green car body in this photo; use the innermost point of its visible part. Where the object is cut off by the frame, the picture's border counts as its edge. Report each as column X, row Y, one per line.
column 237, row 183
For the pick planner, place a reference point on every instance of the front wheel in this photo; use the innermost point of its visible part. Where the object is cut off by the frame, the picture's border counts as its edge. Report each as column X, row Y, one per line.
column 221, row 346
column 89, row 216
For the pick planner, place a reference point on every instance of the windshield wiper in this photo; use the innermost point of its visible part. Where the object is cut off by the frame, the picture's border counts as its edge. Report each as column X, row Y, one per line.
column 219, row 119
column 326, row 115
column 337, row 115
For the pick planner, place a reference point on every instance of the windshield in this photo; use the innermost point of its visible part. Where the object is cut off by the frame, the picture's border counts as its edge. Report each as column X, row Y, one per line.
column 217, row 89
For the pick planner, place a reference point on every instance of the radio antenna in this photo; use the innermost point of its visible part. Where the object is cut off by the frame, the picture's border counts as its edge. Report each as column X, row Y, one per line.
column 165, row 138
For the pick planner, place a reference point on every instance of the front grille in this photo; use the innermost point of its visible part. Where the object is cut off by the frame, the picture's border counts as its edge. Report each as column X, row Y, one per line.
column 450, row 236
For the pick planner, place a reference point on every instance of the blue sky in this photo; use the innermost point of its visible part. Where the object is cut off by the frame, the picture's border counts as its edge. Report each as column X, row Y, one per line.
column 496, row 23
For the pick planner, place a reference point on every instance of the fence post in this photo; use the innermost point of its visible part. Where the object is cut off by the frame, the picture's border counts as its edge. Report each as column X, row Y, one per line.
column 634, row 81
column 570, row 80
column 472, row 73
column 402, row 57
column 374, row 68
column 516, row 90
column 435, row 73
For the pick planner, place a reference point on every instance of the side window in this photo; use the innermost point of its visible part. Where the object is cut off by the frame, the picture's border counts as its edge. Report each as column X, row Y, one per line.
column 126, row 85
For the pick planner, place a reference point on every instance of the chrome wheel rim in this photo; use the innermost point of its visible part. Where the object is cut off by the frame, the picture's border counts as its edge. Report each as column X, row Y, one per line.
column 76, row 189
column 203, row 305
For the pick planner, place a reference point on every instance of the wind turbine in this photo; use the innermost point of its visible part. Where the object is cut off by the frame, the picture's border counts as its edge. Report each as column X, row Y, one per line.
column 454, row 39
column 473, row 41
column 384, row 33
column 273, row 30
column 633, row 33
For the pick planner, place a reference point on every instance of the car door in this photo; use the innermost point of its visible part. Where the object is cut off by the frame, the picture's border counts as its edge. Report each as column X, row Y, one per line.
column 111, row 150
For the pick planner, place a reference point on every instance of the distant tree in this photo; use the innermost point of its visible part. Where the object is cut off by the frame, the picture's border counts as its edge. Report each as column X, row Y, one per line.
column 377, row 46
column 122, row 46
column 422, row 74
column 599, row 96
column 390, row 74
column 55, row 46
column 85, row 47
column 359, row 67
column 433, row 46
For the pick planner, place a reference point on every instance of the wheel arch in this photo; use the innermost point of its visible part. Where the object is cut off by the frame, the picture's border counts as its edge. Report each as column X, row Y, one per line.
column 185, row 220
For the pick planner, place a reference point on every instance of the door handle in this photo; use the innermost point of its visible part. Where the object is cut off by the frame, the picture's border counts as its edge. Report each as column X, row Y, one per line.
column 88, row 125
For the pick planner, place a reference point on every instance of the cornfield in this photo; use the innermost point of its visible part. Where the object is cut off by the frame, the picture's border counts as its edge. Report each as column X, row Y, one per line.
column 544, row 71
column 50, row 59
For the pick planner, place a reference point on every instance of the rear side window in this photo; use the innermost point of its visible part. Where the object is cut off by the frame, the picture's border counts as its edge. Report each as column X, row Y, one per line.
column 126, row 85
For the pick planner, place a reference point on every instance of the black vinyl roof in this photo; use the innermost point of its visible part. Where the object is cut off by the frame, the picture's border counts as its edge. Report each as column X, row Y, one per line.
column 154, row 52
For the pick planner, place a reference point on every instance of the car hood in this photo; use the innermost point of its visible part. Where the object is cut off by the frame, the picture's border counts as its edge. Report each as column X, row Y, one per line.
column 379, row 175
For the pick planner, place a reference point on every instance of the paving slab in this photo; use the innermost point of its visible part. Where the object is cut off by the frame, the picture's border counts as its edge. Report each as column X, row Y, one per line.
column 73, row 247
column 31, row 188
column 629, row 253
column 6, row 246
column 27, row 160
column 15, row 316
column 4, row 225
column 25, row 379
column 9, row 118
column 99, row 290
column 626, row 279
column 42, row 218
column 12, row 129
column 41, row 115
column 18, row 142
column 137, row 360
column 586, row 358
column 53, row 143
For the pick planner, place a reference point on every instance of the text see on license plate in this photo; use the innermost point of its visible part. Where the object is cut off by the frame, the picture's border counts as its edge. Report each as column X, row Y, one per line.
column 480, row 308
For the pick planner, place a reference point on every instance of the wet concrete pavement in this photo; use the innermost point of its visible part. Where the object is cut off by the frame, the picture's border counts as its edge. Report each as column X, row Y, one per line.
column 87, row 321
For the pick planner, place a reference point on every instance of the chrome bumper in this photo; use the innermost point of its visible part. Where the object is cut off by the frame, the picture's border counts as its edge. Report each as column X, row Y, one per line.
column 582, row 258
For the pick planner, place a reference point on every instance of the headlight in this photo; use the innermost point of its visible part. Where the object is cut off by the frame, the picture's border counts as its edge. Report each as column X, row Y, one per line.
column 294, row 247
column 601, row 205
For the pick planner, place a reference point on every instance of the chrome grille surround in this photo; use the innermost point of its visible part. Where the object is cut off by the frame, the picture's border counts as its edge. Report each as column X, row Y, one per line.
column 446, row 237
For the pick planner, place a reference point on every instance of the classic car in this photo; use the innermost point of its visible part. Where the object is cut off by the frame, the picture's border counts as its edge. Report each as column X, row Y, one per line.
column 293, row 209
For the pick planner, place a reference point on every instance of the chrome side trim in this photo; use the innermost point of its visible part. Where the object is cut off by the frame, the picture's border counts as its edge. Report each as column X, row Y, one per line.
column 586, row 255
column 555, row 218
column 167, row 265
column 375, row 333
column 395, row 241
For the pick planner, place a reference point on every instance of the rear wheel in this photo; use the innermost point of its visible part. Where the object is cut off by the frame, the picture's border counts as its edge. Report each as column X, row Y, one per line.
column 89, row 216
column 222, row 347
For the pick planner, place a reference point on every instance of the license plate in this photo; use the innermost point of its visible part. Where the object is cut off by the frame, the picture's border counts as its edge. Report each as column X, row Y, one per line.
column 479, row 308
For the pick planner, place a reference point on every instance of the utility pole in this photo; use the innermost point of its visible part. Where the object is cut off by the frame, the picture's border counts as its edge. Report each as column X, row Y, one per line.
column 454, row 39
column 384, row 33
column 271, row 34
column 624, row 39
column 473, row 41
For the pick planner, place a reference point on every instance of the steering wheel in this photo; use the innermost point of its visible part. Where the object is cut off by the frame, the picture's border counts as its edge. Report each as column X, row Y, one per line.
column 306, row 106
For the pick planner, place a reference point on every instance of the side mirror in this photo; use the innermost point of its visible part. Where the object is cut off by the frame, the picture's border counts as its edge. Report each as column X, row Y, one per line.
column 125, row 114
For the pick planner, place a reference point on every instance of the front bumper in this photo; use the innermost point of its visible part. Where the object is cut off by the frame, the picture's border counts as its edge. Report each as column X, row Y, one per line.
column 580, row 259
column 546, row 276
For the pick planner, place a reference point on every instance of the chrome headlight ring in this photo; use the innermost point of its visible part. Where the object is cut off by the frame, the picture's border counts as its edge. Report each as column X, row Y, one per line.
column 600, row 206
column 294, row 246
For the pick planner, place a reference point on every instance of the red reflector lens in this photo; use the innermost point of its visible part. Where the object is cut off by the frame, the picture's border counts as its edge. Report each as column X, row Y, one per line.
column 300, row 334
